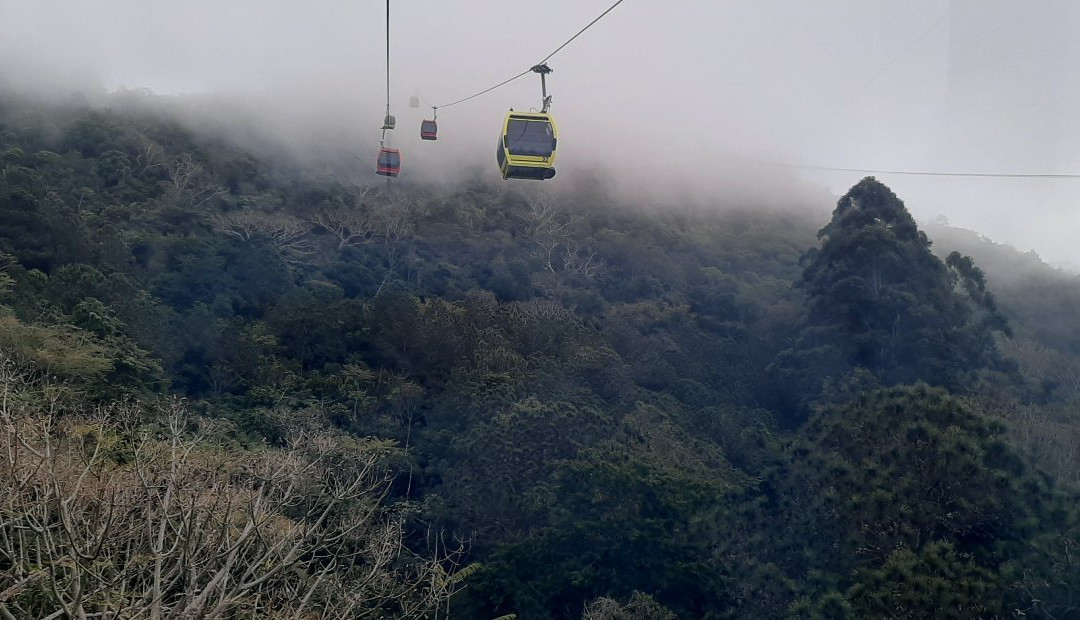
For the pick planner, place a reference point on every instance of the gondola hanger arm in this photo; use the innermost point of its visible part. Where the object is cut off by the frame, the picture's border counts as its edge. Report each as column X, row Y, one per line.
column 543, row 70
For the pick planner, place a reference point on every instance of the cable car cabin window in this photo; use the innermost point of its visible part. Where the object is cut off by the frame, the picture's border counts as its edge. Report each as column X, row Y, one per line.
column 389, row 160
column 530, row 138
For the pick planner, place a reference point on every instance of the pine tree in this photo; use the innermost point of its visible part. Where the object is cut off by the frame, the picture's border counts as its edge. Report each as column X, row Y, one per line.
column 879, row 300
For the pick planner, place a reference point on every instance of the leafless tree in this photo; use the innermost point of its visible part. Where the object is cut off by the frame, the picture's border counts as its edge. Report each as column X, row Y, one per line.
column 7, row 283
column 186, row 183
column 546, row 225
column 1038, row 361
column 148, row 153
column 580, row 259
column 104, row 516
column 183, row 170
column 639, row 607
column 350, row 227
column 1045, row 432
column 354, row 225
column 551, row 229
column 395, row 220
column 362, row 194
column 287, row 235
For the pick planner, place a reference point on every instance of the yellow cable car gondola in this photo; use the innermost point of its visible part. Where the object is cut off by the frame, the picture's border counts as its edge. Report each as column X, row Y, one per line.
column 526, row 148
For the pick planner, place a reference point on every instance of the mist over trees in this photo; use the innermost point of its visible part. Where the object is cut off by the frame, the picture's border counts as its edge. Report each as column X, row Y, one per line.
column 407, row 400
column 880, row 301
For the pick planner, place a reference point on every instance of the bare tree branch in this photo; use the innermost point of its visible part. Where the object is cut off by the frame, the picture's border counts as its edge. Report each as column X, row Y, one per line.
column 103, row 516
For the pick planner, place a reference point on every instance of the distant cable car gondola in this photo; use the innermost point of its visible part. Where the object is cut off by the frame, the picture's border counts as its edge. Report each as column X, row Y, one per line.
column 389, row 161
column 389, row 164
column 429, row 130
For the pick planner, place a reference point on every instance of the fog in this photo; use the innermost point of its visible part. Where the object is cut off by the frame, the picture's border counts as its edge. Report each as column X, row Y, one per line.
column 699, row 100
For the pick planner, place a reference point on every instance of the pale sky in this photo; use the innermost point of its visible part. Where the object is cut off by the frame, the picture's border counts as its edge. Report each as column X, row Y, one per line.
column 679, row 95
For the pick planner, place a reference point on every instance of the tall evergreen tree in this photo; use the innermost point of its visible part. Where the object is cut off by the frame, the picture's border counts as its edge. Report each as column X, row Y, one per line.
column 878, row 299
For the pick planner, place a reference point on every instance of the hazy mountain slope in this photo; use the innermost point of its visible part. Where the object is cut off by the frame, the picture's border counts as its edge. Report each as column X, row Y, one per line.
column 1042, row 301
column 586, row 390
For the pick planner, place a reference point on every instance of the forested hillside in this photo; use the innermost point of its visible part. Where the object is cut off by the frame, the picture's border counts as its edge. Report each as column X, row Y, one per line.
column 545, row 403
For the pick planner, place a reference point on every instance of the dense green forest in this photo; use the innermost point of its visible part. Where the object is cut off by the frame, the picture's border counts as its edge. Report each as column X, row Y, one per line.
column 495, row 400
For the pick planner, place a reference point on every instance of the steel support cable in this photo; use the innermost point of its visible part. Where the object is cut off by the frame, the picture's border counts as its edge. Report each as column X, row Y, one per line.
column 845, row 103
column 388, row 56
column 529, row 70
column 486, row 90
column 570, row 40
column 927, row 173
column 382, row 142
column 916, row 42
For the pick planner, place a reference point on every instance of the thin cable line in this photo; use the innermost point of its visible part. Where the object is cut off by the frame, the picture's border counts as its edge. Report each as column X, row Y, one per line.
column 382, row 141
column 580, row 31
column 844, row 104
column 923, row 173
column 487, row 90
column 388, row 56
column 917, row 41
column 529, row 70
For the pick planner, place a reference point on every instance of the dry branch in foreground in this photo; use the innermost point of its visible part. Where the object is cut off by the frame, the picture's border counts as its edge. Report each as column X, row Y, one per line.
column 104, row 517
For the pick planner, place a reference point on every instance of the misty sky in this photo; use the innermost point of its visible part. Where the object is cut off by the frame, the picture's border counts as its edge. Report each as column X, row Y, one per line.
column 681, row 95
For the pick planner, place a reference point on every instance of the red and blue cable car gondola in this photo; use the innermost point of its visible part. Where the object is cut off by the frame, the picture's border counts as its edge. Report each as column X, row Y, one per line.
column 429, row 130
column 389, row 163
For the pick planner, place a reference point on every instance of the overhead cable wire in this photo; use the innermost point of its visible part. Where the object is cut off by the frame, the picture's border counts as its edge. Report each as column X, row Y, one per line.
column 529, row 70
column 486, row 90
column 916, row 42
column 929, row 173
column 386, row 120
column 387, row 56
column 598, row 17
column 883, row 70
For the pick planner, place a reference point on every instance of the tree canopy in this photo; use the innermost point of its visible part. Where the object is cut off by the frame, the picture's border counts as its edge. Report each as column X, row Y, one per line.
column 567, row 405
